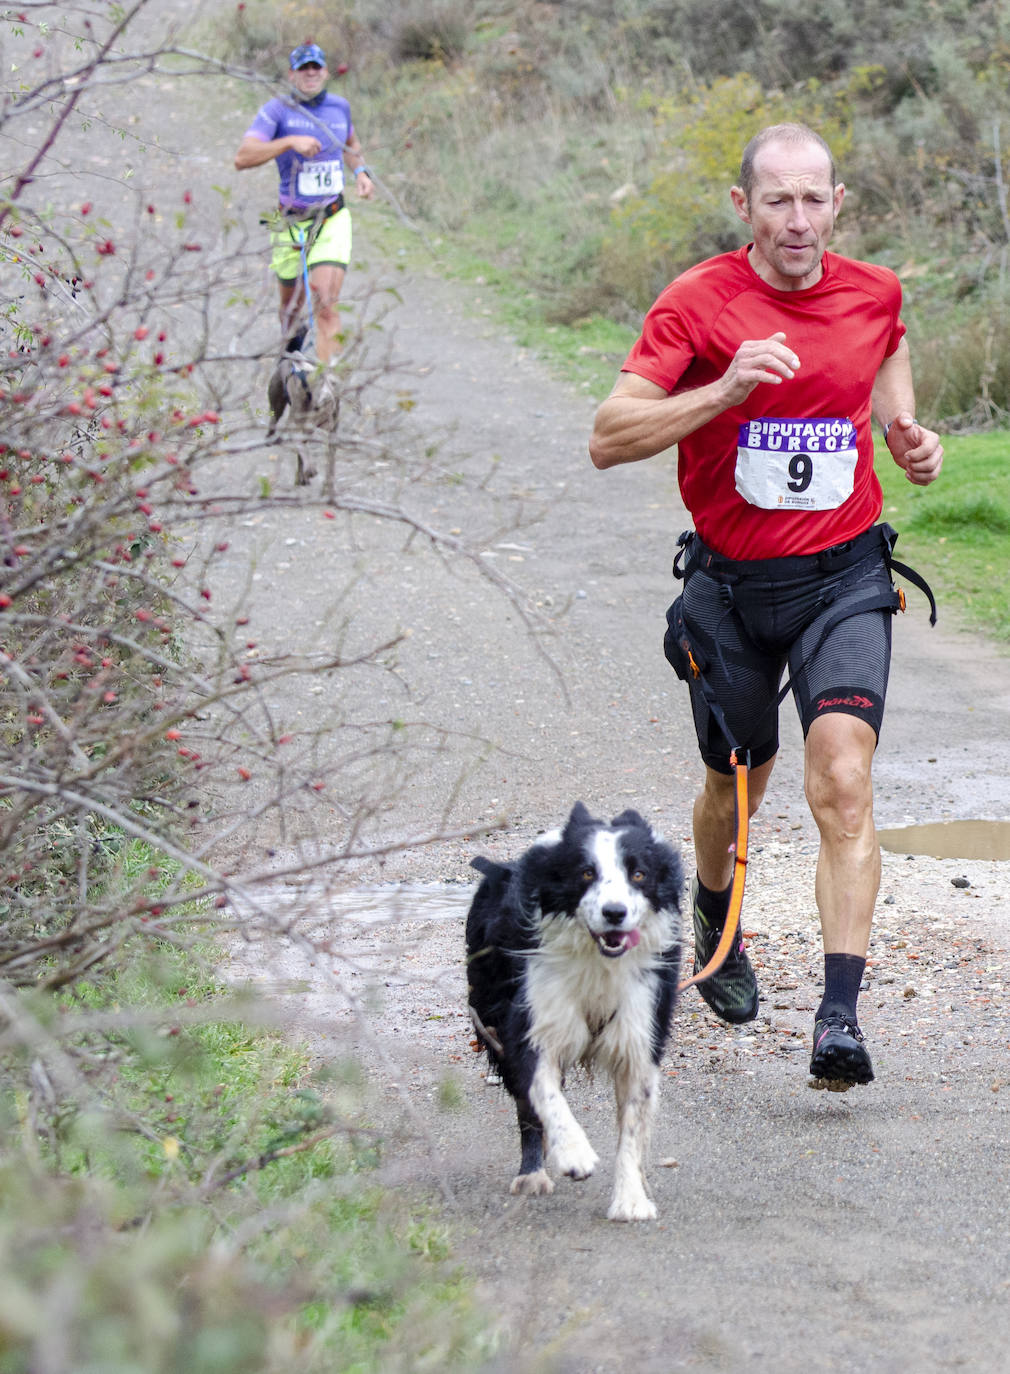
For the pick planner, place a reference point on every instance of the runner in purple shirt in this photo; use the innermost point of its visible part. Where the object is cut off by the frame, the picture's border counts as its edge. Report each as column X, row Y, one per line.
column 312, row 139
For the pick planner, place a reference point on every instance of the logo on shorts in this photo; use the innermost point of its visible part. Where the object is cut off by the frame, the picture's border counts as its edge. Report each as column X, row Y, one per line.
column 860, row 703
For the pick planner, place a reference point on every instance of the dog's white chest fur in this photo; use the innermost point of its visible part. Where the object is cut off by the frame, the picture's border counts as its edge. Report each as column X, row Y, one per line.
column 585, row 1008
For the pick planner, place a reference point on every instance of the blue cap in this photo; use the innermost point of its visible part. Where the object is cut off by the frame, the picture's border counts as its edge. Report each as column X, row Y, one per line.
column 306, row 53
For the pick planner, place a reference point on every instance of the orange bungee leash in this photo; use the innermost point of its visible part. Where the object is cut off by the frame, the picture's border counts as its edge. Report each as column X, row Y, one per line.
column 729, row 930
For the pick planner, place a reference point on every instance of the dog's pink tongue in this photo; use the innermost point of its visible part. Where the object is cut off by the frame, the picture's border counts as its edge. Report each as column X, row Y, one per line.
column 631, row 939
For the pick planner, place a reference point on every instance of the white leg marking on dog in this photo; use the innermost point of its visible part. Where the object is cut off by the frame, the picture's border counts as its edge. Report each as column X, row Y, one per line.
column 568, row 1149
column 636, row 1093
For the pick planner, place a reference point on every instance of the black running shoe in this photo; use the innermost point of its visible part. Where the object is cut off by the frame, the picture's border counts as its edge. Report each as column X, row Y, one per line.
column 839, row 1056
column 732, row 991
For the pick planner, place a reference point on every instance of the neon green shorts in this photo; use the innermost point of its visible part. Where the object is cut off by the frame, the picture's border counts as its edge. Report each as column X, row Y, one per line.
column 331, row 247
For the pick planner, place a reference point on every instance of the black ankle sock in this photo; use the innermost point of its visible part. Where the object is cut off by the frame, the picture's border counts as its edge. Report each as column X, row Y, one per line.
column 842, row 975
column 714, row 906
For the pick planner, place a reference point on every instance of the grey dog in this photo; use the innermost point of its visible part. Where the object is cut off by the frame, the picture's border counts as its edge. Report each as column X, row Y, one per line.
column 296, row 386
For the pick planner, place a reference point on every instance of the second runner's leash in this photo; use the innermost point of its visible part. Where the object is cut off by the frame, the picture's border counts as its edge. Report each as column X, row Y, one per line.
column 303, row 249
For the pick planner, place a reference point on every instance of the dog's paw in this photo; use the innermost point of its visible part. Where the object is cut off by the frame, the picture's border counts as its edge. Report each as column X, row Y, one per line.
column 532, row 1185
column 575, row 1158
column 632, row 1208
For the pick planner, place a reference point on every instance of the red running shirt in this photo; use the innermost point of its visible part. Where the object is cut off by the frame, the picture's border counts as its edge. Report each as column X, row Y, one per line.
column 841, row 330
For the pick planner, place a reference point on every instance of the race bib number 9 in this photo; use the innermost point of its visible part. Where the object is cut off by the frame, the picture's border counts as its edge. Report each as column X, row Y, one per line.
column 796, row 464
column 320, row 179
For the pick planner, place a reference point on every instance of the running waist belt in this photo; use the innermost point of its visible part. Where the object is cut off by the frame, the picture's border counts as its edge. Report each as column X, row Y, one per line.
column 319, row 215
column 320, row 212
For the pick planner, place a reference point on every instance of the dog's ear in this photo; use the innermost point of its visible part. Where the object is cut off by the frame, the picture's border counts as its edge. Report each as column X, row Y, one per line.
column 580, row 816
column 629, row 818
column 490, row 866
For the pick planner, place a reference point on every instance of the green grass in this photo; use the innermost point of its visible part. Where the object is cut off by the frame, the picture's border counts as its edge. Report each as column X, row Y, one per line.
column 956, row 532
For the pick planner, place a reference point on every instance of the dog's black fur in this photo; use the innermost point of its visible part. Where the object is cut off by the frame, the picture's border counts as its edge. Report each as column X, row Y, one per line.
column 573, row 957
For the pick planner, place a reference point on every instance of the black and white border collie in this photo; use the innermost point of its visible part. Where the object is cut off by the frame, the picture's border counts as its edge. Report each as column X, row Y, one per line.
column 573, row 957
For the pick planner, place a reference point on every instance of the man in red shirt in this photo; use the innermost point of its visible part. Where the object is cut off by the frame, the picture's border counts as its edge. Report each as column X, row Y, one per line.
column 764, row 366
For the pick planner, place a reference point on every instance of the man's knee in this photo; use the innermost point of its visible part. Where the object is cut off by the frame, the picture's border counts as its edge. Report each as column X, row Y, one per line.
column 326, row 283
column 839, row 763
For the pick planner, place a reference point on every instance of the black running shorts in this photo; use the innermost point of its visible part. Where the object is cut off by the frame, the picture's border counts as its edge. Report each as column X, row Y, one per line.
column 753, row 621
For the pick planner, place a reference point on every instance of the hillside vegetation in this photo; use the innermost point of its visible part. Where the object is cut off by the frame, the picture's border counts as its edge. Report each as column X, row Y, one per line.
column 584, row 150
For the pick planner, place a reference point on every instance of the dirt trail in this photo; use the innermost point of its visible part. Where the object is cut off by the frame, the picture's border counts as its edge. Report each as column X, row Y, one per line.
column 798, row 1230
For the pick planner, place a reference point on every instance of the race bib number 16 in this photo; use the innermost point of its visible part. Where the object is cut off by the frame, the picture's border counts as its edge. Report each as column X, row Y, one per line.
column 320, row 179
column 786, row 464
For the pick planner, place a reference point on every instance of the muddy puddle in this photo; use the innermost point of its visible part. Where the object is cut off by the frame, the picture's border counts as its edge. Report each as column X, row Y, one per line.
column 950, row 840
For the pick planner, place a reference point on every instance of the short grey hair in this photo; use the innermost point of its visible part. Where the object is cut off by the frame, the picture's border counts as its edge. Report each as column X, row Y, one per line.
column 779, row 133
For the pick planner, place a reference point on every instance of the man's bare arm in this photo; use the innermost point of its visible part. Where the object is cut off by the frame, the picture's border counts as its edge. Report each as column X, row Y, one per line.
column 254, row 152
column 913, row 447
